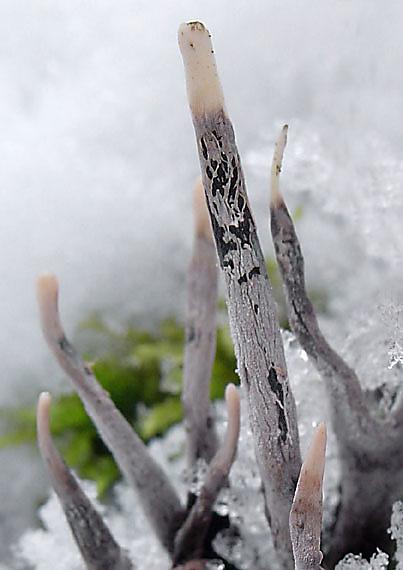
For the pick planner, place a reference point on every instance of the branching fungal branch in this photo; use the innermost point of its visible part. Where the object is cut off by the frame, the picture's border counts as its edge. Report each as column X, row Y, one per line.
column 306, row 512
column 200, row 346
column 158, row 497
column 252, row 310
column 95, row 542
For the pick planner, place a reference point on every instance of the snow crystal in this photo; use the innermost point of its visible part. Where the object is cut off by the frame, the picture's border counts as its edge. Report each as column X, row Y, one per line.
column 396, row 530
column 378, row 561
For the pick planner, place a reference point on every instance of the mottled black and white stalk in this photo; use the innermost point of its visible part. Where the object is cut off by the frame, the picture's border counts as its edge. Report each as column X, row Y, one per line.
column 251, row 306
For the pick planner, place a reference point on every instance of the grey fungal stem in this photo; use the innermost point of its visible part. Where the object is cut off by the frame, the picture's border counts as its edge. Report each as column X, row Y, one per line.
column 370, row 458
column 251, row 306
column 306, row 512
column 355, row 427
column 159, row 500
column 98, row 548
column 191, row 537
column 200, row 346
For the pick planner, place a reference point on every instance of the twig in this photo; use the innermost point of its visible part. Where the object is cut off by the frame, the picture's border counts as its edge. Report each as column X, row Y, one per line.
column 352, row 421
column 159, row 499
column 98, row 548
column 200, row 347
column 306, row 512
column 252, row 309
column 191, row 537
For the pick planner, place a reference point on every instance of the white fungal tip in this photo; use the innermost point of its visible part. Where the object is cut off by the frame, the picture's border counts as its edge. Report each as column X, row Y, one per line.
column 42, row 417
column 201, row 214
column 45, row 400
column 47, row 291
column 277, row 162
column 47, row 287
column 234, row 418
column 314, row 464
column 203, row 84
column 232, row 399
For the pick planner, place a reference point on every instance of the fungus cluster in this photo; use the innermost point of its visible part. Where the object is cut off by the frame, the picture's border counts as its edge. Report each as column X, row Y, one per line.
column 369, row 444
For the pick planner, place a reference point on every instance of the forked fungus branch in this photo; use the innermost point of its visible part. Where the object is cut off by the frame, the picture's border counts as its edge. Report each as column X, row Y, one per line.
column 370, row 451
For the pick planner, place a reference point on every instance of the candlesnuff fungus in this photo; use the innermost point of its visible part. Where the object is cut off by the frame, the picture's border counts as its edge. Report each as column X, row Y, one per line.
column 306, row 510
column 251, row 307
column 370, row 448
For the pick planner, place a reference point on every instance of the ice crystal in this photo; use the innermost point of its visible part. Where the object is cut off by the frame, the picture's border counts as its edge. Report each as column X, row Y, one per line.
column 396, row 530
column 379, row 561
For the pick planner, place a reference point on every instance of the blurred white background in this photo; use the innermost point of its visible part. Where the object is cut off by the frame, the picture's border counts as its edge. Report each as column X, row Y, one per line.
column 98, row 160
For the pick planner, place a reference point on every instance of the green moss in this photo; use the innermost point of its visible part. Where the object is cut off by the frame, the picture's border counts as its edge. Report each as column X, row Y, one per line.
column 142, row 371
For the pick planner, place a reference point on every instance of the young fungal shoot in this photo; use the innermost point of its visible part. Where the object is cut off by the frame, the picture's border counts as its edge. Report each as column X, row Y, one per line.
column 191, row 537
column 307, row 510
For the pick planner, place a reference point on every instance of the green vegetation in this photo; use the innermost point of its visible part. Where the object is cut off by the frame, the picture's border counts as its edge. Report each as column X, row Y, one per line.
column 142, row 371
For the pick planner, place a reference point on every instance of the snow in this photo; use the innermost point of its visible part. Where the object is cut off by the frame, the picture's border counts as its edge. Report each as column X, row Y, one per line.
column 98, row 161
column 379, row 561
column 396, row 531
